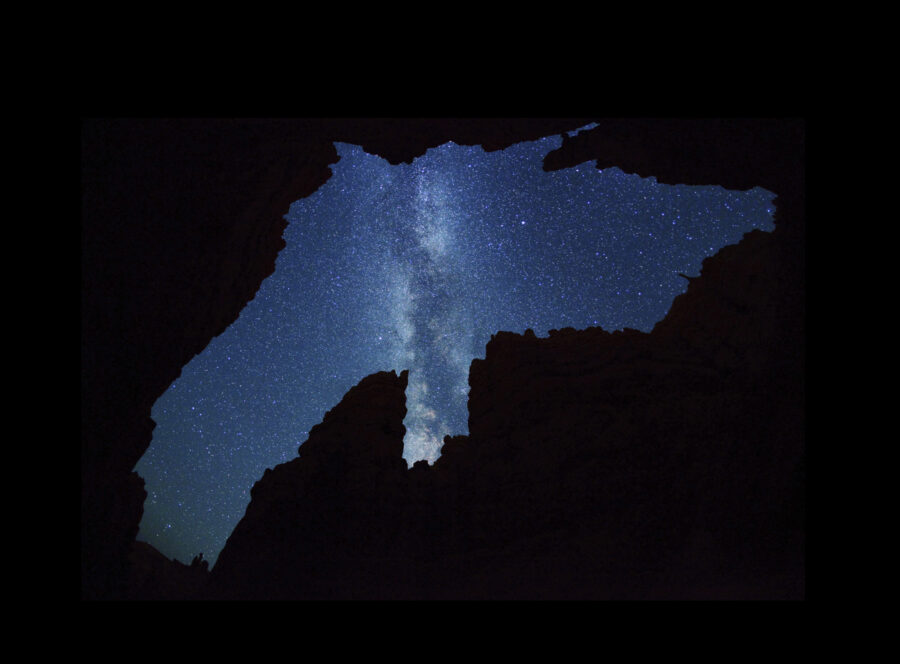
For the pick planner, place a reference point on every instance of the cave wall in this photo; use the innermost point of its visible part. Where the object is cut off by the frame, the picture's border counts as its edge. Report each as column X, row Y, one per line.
column 182, row 220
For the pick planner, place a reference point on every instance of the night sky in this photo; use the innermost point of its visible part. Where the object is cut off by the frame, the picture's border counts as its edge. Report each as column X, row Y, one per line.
column 414, row 267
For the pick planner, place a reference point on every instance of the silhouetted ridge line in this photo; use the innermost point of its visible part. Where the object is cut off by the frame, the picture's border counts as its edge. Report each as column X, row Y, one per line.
column 598, row 465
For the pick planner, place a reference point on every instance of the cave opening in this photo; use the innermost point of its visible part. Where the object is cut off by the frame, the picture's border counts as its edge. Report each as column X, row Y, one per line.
column 413, row 267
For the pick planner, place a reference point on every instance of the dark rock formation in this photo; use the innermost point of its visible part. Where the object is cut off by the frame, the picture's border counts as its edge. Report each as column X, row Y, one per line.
column 325, row 525
column 736, row 153
column 182, row 220
column 152, row 576
column 667, row 464
column 597, row 466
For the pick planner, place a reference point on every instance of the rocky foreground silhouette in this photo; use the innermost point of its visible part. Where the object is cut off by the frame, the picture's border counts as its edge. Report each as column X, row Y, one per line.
column 666, row 465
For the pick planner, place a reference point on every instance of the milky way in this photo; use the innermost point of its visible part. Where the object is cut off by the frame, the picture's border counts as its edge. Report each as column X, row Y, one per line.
column 414, row 267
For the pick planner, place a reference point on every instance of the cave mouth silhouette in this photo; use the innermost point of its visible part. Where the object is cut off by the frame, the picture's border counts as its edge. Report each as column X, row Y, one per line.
column 421, row 299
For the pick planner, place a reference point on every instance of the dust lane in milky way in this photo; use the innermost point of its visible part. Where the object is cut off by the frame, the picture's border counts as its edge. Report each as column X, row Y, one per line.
column 414, row 267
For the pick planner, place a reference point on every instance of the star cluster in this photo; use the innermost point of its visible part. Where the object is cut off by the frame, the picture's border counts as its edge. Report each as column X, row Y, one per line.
column 414, row 267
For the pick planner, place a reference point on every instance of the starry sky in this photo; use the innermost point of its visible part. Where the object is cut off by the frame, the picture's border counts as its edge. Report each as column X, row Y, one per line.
column 414, row 267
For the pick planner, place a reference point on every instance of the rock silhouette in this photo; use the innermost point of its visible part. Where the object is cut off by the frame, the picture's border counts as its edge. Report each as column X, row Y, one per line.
column 152, row 576
column 597, row 465
column 326, row 524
